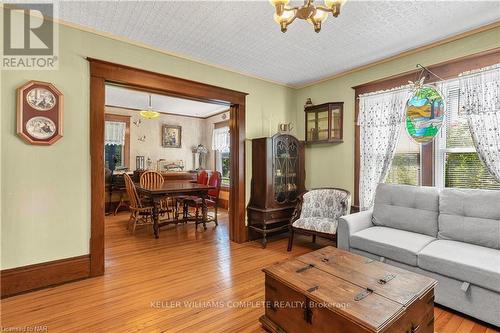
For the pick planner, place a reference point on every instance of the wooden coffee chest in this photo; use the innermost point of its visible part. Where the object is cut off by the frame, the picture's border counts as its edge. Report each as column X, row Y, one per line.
column 331, row 290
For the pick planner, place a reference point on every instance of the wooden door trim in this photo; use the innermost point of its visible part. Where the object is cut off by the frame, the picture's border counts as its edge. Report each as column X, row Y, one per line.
column 102, row 72
column 446, row 70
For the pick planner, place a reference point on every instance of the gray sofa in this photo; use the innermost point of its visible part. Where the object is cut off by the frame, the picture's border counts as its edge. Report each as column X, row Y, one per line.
column 451, row 235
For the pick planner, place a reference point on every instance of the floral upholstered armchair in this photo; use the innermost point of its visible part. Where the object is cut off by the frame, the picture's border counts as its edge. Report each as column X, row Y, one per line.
column 317, row 213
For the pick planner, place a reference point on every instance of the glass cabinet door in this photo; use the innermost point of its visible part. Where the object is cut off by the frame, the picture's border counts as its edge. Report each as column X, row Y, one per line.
column 322, row 127
column 336, row 124
column 311, row 126
column 285, row 168
column 292, row 170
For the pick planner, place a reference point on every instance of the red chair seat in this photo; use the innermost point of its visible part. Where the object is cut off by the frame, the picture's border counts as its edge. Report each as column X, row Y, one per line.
column 208, row 202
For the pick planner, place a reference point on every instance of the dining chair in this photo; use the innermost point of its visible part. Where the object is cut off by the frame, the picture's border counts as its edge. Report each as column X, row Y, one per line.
column 317, row 213
column 212, row 200
column 151, row 179
column 202, row 179
column 139, row 214
column 155, row 179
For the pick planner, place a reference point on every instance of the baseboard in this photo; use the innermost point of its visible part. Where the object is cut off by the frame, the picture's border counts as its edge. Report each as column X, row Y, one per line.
column 28, row 278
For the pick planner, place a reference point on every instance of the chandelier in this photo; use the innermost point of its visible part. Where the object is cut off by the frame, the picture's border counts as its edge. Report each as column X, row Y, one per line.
column 315, row 15
column 149, row 113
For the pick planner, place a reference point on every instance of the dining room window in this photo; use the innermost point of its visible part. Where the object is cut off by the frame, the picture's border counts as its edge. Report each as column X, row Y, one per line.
column 221, row 138
column 116, row 142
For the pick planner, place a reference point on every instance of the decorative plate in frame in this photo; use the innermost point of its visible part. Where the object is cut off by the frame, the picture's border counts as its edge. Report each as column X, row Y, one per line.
column 424, row 114
column 39, row 113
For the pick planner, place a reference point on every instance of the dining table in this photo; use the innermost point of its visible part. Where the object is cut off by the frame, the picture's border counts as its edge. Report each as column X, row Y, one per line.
column 174, row 189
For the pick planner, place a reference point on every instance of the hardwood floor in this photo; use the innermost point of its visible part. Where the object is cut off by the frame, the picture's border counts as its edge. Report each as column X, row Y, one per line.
column 218, row 284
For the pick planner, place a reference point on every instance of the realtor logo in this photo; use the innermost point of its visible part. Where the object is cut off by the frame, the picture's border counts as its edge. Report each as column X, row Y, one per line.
column 29, row 36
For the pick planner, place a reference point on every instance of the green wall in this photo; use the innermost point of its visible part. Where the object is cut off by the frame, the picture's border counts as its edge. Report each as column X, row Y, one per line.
column 46, row 190
column 333, row 165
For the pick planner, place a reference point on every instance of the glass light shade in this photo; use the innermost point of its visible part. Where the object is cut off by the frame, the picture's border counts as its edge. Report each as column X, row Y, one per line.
column 279, row 2
column 331, row 3
column 149, row 114
column 285, row 17
column 319, row 16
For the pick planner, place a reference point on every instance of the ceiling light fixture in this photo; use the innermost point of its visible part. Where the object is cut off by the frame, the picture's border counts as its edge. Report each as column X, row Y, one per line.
column 149, row 113
column 315, row 15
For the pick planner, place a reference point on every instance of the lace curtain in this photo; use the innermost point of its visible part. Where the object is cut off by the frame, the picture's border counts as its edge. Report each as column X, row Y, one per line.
column 480, row 98
column 114, row 133
column 221, row 139
column 380, row 119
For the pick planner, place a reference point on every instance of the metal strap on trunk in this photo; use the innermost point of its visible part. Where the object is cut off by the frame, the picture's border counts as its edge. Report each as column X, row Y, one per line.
column 365, row 293
column 386, row 278
column 303, row 269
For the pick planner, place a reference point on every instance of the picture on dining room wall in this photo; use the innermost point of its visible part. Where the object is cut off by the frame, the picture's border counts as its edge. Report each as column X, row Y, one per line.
column 171, row 136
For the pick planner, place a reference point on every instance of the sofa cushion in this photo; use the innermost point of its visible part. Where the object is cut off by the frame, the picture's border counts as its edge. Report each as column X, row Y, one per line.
column 471, row 216
column 395, row 244
column 471, row 263
column 410, row 208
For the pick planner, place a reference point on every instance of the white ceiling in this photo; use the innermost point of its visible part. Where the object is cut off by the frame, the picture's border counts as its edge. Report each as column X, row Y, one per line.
column 242, row 35
column 134, row 99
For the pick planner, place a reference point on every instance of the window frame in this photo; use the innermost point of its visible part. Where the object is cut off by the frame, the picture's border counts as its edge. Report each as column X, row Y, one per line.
column 126, row 147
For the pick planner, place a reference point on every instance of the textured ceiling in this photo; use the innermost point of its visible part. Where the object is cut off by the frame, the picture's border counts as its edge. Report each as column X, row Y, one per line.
column 133, row 99
column 242, row 35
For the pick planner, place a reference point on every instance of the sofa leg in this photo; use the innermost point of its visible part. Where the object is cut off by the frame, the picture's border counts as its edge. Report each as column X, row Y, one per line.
column 314, row 238
column 290, row 240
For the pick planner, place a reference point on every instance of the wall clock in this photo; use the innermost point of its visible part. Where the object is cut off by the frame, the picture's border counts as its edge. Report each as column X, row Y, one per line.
column 39, row 113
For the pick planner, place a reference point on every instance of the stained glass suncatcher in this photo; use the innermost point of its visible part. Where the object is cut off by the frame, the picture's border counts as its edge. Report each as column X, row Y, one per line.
column 424, row 114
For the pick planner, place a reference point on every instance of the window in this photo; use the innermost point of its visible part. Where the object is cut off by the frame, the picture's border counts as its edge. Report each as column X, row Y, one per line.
column 457, row 163
column 221, row 147
column 116, row 141
column 113, row 156
column 405, row 167
column 222, row 164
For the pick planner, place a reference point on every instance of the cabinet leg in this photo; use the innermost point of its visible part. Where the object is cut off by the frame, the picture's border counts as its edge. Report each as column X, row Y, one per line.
column 290, row 240
column 314, row 238
column 264, row 238
column 264, row 241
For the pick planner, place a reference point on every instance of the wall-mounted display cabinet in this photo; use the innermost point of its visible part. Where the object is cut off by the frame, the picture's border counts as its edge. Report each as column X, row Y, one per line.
column 324, row 123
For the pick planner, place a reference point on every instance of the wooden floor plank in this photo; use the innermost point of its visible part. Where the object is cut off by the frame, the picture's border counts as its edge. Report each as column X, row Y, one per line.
column 144, row 275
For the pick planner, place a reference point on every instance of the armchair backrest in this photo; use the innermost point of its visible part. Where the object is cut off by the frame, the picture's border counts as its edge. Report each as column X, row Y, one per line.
column 326, row 202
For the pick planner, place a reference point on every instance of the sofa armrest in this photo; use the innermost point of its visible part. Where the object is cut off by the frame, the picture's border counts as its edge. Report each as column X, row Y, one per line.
column 350, row 224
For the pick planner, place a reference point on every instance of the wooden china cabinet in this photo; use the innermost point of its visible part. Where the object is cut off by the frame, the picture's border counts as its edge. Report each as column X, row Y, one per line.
column 278, row 176
column 324, row 123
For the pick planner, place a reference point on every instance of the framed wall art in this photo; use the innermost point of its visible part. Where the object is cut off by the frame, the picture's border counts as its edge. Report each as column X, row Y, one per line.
column 171, row 136
column 39, row 113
